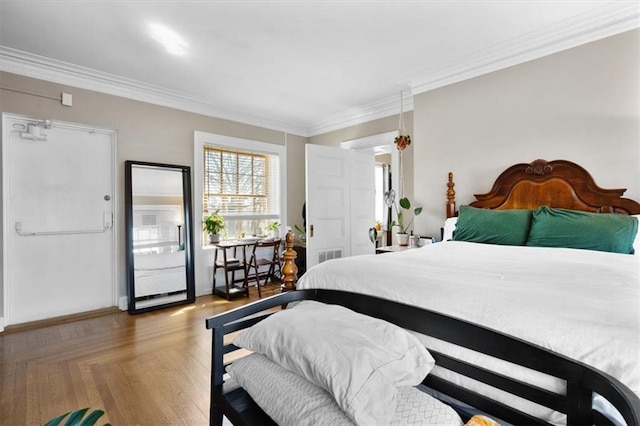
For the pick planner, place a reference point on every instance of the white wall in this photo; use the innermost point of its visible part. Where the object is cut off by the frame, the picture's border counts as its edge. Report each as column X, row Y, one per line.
column 580, row 105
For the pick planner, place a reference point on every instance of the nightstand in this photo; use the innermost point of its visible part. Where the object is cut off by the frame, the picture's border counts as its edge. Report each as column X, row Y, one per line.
column 394, row 248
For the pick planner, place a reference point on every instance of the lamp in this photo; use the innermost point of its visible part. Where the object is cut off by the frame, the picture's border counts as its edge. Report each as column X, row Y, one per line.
column 403, row 139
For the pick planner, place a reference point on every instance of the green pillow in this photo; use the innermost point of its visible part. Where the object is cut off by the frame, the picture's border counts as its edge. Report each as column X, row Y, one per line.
column 610, row 232
column 505, row 227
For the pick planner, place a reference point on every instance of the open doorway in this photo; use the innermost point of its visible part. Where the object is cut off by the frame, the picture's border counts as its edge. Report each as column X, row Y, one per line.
column 387, row 161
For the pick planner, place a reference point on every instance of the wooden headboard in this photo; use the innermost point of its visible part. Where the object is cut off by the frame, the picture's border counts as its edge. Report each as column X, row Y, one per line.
column 558, row 183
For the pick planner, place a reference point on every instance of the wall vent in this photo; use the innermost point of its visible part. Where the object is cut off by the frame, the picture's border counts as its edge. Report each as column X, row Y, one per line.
column 148, row 219
column 329, row 255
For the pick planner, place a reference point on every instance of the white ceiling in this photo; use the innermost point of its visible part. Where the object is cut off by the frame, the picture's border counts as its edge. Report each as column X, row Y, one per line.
column 302, row 66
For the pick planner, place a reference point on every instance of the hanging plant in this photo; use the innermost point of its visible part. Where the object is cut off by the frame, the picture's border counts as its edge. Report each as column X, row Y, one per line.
column 403, row 140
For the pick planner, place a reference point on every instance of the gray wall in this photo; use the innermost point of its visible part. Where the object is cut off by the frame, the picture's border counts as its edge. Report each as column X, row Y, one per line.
column 580, row 105
column 145, row 132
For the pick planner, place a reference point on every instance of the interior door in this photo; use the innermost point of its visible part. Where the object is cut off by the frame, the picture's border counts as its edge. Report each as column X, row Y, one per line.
column 340, row 204
column 58, row 203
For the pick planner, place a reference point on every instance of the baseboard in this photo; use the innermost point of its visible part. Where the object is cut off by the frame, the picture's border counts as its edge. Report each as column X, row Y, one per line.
column 123, row 303
column 15, row 328
column 1, row 324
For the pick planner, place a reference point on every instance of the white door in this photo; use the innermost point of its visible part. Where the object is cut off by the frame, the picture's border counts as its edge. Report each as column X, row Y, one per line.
column 339, row 203
column 58, row 203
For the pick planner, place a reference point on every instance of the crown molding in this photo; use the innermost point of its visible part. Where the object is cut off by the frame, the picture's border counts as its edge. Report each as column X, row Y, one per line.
column 373, row 111
column 605, row 21
column 599, row 23
column 43, row 68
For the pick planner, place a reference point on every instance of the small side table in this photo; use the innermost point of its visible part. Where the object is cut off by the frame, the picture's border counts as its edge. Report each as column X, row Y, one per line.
column 232, row 260
column 395, row 248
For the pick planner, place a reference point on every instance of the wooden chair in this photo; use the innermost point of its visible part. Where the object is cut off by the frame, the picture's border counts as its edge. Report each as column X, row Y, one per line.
column 234, row 258
column 273, row 259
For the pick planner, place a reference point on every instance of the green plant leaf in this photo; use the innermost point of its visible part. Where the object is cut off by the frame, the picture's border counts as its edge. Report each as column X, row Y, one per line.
column 273, row 226
column 92, row 418
column 405, row 203
column 76, row 418
column 56, row 421
column 417, row 211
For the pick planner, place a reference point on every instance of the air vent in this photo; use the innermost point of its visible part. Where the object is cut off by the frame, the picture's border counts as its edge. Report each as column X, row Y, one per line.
column 148, row 219
column 329, row 255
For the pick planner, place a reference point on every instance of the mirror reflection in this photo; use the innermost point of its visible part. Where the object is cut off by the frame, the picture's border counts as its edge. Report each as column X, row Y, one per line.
column 159, row 255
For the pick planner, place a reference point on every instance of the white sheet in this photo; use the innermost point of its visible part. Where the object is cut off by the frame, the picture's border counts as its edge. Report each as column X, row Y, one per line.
column 583, row 304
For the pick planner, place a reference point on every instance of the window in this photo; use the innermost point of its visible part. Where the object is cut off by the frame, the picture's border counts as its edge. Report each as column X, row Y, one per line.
column 243, row 181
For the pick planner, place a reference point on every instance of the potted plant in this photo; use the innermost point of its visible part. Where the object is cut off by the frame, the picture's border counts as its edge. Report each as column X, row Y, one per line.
column 274, row 229
column 404, row 204
column 213, row 224
column 402, row 141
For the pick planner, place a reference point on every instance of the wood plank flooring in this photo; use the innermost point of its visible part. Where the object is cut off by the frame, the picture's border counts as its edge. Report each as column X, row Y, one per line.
column 145, row 369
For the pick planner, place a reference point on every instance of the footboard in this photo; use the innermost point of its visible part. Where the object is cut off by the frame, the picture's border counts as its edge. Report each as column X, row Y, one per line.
column 582, row 381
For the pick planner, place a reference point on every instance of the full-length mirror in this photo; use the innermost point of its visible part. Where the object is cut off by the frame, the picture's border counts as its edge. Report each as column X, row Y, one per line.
column 159, row 235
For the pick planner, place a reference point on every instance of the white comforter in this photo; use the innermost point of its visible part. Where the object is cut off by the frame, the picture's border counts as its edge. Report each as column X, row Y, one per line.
column 580, row 303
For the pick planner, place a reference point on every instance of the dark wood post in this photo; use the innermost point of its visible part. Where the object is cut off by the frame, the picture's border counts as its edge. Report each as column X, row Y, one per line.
column 289, row 269
column 451, row 197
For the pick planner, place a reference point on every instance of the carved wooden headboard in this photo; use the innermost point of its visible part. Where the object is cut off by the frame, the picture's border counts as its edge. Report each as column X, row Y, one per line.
column 558, row 183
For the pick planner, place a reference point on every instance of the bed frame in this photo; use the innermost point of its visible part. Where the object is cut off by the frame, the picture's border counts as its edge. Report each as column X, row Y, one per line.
column 558, row 184
column 582, row 380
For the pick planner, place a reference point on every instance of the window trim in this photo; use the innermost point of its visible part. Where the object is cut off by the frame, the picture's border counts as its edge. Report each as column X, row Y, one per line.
column 235, row 144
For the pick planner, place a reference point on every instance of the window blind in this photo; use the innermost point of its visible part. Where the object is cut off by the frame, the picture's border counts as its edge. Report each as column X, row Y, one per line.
column 241, row 185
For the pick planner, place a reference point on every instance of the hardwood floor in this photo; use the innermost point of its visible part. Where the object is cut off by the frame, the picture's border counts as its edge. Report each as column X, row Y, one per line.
column 146, row 369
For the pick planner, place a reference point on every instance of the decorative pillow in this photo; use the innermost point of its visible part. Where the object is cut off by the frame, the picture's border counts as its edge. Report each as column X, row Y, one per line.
column 636, row 242
column 290, row 399
column 609, row 232
column 449, row 227
column 505, row 227
column 358, row 359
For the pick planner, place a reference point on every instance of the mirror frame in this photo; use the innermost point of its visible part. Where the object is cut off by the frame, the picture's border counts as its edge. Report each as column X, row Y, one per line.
column 187, row 231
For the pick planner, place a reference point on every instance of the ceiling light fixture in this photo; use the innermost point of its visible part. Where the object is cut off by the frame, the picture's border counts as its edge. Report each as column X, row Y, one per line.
column 171, row 40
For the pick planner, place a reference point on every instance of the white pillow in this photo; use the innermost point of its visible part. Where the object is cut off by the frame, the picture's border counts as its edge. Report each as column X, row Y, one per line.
column 358, row 359
column 636, row 242
column 449, row 227
column 290, row 399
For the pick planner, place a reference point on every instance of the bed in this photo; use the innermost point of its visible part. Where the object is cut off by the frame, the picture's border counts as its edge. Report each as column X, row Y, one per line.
column 488, row 296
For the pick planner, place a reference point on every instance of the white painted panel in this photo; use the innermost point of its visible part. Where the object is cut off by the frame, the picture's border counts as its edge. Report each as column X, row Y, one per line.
column 327, row 187
column 331, row 167
column 56, row 188
column 330, row 228
column 332, row 198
